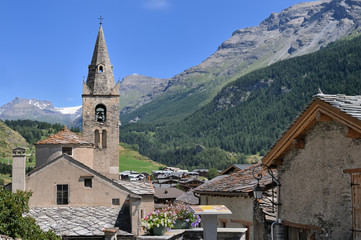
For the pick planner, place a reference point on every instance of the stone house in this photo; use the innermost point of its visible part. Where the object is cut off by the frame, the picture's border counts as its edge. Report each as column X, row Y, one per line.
column 76, row 173
column 319, row 169
column 235, row 191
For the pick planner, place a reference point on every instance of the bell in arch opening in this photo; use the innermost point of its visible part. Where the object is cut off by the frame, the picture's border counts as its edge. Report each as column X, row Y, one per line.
column 100, row 113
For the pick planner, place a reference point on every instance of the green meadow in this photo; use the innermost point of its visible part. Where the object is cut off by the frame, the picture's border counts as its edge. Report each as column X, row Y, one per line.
column 131, row 160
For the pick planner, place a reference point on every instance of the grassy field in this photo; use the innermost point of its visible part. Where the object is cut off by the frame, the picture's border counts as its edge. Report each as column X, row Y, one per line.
column 6, row 177
column 132, row 160
column 10, row 161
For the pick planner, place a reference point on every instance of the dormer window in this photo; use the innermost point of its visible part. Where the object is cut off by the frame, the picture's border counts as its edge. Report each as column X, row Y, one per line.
column 67, row 150
column 100, row 113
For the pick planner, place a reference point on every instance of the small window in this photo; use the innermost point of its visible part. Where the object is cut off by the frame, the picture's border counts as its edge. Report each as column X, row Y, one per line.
column 67, row 150
column 104, row 139
column 97, row 138
column 62, row 194
column 88, row 182
column 116, row 201
column 100, row 69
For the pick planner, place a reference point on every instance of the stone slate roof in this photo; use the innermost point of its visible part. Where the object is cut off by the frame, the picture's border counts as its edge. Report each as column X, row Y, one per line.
column 166, row 193
column 65, row 136
column 242, row 166
column 188, row 198
column 140, row 188
column 348, row 104
column 239, row 183
column 76, row 221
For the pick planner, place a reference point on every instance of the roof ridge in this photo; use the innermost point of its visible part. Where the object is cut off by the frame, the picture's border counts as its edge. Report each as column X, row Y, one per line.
column 64, row 136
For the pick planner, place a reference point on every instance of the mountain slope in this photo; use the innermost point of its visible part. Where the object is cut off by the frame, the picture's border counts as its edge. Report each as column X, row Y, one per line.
column 134, row 90
column 9, row 139
column 300, row 29
column 249, row 114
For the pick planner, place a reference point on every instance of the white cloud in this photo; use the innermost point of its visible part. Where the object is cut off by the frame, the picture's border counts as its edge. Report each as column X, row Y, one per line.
column 156, row 4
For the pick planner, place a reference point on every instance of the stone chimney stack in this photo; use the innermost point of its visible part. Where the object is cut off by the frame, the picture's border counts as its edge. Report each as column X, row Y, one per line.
column 18, row 172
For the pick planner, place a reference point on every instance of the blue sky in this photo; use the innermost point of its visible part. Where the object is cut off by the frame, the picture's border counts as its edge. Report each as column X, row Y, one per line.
column 46, row 45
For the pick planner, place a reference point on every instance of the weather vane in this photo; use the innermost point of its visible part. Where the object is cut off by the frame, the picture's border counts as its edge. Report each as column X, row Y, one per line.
column 100, row 20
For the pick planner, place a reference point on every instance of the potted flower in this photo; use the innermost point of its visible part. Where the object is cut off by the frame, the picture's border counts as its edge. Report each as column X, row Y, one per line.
column 158, row 222
column 185, row 217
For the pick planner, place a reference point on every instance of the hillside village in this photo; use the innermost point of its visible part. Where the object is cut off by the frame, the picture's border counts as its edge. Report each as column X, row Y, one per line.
column 304, row 186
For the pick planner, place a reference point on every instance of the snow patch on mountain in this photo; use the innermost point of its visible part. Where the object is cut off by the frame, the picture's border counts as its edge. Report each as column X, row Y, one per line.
column 68, row 110
column 39, row 104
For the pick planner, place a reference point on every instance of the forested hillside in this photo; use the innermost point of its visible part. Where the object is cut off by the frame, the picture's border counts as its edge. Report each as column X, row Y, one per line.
column 249, row 114
column 33, row 131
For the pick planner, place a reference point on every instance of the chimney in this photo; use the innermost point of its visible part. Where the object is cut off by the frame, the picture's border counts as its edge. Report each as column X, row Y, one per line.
column 18, row 172
column 110, row 233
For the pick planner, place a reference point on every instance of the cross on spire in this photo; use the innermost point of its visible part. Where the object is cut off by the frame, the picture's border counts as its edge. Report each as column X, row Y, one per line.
column 100, row 20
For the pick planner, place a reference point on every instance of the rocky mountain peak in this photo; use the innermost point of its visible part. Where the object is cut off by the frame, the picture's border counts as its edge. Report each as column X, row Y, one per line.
column 295, row 31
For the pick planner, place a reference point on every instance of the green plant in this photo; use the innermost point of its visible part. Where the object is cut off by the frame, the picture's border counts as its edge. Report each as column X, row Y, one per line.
column 13, row 224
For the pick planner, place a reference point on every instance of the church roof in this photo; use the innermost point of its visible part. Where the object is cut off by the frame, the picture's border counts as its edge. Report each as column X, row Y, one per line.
column 65, row 136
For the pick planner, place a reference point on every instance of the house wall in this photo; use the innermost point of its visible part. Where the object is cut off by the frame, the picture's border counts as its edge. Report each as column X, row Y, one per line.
column 241, row 208
column 314, row 190
column 140, row 211
column 44, row 153
column 43, row 185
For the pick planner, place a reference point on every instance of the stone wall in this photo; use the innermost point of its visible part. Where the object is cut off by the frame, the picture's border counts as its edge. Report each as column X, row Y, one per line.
column 106, row 159
column 314, row 189
column 3, row 237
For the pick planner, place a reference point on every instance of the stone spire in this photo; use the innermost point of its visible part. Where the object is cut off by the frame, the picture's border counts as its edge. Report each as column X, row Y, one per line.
column 100, row 79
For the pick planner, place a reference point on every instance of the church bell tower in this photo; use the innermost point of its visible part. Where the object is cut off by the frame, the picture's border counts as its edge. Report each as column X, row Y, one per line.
column 101, row 110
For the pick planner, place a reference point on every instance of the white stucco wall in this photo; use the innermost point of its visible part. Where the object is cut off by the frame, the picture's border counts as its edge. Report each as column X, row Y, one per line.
column 43, row 185
column 45, row 153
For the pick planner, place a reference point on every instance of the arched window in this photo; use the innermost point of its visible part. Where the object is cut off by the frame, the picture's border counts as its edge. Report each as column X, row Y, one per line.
column 100, row 113
column 104, row 139
column 96, row 138
column 100, row 69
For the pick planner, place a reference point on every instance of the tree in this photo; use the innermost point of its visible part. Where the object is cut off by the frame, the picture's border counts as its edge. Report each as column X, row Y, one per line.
column 212, row 173
column 13, row 224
